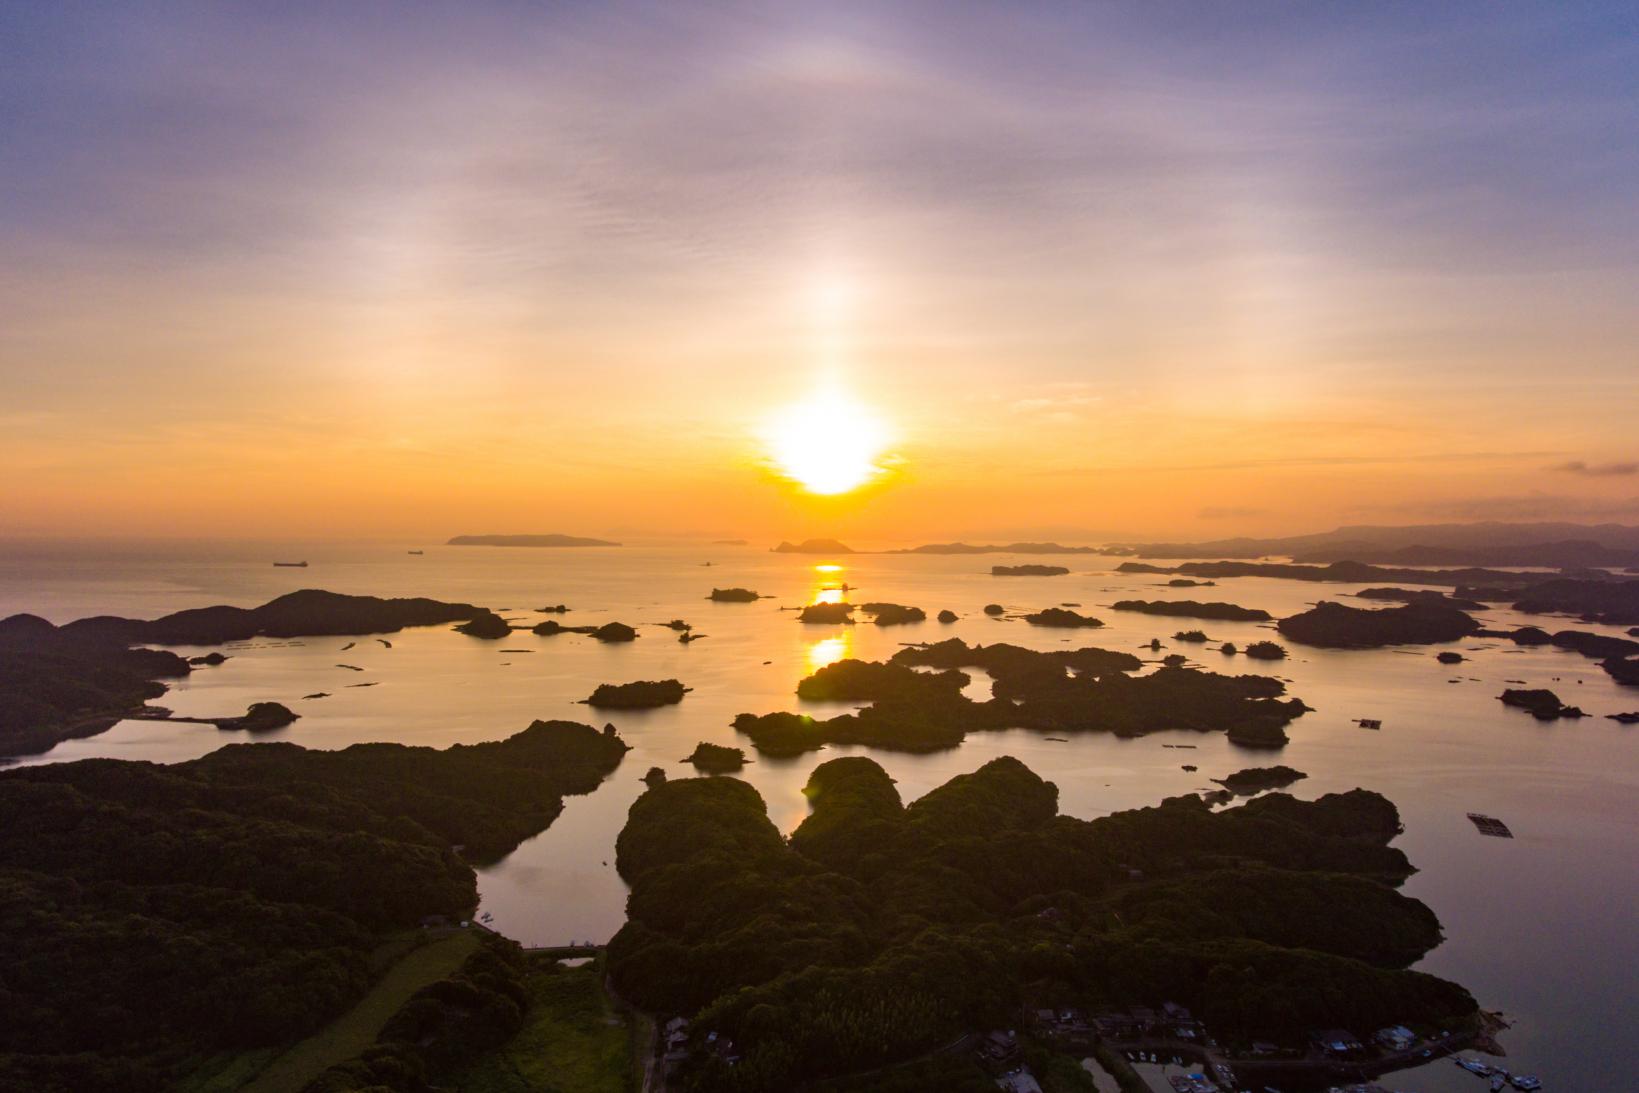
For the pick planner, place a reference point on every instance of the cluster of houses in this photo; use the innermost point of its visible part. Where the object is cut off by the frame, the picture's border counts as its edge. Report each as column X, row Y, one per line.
column 676, row 1049
column 999, row 1053
column 1171, row 1021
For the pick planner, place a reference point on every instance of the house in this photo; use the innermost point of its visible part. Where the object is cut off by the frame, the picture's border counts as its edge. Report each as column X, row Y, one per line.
column 1019, row 1081
column 1000, row 1046
column 1396, row 1038
column 1338, row 1042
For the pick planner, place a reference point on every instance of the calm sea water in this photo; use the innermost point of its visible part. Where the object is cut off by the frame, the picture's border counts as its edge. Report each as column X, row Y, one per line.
column 1542, row 927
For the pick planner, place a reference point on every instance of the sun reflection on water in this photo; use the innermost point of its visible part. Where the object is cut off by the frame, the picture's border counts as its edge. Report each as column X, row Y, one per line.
column 828, row 651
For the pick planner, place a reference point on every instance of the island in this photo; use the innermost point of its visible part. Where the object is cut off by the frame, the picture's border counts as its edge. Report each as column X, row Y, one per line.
column 609, row 631
column 260, row 717
column 1542, row 704
column 1195, row 636
column 642, row 695
column 1260, row 650
column 1061, row 692
column 553, row 540
column 79, row 679
column 294, row 878
column 1060, row 617
column 488, row 625
column 1340, row 572
column 947, row 616
column 1424, row 595
column 1623, row 670
column 1245, row 783
column 1028, row 571
column 1608, row 601
column 893, row 614
column 827, row 613
column 882, row 931
column 1192, row 609
column 813, row 546
column 733, row 595
column 994, row 609
column 1336, row 626
column 716, row 759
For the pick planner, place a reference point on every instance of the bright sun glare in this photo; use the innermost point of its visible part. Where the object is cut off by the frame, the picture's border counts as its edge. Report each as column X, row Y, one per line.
column 828, row 443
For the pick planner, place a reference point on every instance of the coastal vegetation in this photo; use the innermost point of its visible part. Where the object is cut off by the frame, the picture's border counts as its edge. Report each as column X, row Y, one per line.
column 155, row 916
column 882, row 931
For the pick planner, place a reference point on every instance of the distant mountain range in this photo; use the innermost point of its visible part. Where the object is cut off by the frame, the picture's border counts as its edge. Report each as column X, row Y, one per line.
column 1549, row 545
column 1009, row 548
column 529, row 541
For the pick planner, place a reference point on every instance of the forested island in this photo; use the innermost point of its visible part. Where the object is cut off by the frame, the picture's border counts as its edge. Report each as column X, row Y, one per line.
column 1192, row 609
column 160, row 919
column 1419, row 622
column 1086, row 690
column 883, row 930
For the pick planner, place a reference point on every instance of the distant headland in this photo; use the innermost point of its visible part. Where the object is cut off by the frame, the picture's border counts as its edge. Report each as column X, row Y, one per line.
column 814, row 546
column 529, row 541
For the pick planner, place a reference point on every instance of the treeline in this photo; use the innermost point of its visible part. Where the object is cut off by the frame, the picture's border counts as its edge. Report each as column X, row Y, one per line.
column 150, row 913
column 882, row 931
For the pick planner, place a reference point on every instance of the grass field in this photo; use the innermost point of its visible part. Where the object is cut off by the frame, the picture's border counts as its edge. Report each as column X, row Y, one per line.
column 574, row 1040
column 354, row 1030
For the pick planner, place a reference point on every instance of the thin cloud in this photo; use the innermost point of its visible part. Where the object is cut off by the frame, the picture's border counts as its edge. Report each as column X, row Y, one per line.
column 1598, row 470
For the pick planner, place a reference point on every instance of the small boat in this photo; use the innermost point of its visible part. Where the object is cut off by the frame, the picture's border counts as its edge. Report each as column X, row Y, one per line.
column 291, row 565
column 418, row 552
column 1497, row 1082
column 1473, row 1066
column 1525, row 1081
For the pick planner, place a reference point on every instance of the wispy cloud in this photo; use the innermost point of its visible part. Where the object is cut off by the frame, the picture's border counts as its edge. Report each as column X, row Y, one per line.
column 1598, row 470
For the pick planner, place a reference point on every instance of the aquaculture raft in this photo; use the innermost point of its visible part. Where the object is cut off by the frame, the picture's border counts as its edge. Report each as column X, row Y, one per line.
column 1490, row 825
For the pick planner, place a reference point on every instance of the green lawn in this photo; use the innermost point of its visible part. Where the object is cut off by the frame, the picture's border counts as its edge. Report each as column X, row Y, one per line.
column 354, row 1030
column 573, row 1041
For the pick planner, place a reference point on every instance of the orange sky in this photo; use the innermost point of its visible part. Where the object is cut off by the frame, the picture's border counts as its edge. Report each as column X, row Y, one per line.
column 1097, row 275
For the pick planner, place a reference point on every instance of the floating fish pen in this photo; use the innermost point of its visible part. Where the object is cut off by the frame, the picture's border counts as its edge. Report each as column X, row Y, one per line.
column 1369, row 723
column 1490, row 825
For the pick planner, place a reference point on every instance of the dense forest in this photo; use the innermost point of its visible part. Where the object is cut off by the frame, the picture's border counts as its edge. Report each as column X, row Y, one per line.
column 1084, row 690
column 153, row 914
column 881, row 931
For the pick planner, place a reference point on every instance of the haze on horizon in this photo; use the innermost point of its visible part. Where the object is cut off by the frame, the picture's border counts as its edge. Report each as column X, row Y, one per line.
column 1167, row 271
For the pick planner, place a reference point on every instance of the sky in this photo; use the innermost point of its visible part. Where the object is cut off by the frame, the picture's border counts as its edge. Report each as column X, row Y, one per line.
column 1090, row 271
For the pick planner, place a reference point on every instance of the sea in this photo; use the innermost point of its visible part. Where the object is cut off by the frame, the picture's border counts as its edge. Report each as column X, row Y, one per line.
column 1543, row 927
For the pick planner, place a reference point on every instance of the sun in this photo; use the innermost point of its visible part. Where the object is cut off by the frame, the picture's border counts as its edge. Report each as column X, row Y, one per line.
column 828, row 443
